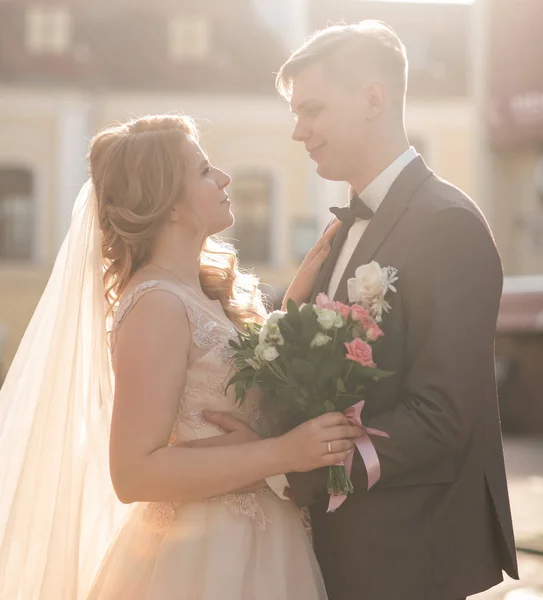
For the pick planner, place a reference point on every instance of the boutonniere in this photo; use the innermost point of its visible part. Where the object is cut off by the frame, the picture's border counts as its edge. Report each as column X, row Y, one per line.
column 369, row 287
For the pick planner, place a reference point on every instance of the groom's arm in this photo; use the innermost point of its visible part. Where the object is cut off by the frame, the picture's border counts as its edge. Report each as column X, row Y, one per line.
column 451, row 301
column 451, row 298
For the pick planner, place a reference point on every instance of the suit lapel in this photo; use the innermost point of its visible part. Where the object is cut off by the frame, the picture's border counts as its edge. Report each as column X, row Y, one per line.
column 392, row 208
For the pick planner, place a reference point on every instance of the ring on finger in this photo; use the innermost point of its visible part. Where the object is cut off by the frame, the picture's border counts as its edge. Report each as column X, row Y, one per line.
column 329, row 447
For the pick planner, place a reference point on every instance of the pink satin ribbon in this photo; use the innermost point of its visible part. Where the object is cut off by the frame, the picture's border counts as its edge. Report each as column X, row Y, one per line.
column 367, row 451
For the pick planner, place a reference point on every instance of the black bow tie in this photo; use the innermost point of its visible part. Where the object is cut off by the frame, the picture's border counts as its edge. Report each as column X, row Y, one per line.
column 357, row 209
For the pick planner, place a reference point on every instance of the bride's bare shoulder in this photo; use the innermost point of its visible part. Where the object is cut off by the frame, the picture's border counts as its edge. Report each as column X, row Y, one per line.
column 156, row 325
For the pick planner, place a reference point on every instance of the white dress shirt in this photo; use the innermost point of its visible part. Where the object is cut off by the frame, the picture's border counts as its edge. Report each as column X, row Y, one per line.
column 373, row 195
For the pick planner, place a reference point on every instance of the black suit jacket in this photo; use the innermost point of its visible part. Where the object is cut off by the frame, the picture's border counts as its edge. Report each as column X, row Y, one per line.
column 437, row 526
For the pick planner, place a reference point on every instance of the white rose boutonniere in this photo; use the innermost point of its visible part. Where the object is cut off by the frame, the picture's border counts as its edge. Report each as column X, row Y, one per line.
column 369, row 287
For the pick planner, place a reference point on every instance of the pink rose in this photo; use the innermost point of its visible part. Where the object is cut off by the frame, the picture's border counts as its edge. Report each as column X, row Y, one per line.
column 322, row 301
column 342, row 309
column 360, row 351
column 374, row 333
column 360, row 314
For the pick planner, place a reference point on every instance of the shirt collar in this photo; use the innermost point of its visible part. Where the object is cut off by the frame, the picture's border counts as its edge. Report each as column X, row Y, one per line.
column 376, row 191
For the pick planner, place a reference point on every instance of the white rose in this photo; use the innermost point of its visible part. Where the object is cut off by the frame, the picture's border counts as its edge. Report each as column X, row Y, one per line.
column 326, row 318
column 368, row 282
column 274, row 317
column 263, row 335
column 320, row 339
column 339, row 322
column 265, row 352
column 275, row 336
column 270, row 353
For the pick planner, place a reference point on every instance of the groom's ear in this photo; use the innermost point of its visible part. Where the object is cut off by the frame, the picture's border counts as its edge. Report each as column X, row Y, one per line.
column 376, row 99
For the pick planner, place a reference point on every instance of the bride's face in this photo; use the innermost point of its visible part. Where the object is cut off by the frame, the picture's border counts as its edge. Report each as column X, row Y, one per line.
column 206, row 202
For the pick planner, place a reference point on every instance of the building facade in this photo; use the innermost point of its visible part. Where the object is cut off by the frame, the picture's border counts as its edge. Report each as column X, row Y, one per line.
column 508, row 84
column 68, row 68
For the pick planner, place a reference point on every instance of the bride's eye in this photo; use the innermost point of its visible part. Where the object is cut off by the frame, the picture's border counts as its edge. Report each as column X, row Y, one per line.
column 206, row 170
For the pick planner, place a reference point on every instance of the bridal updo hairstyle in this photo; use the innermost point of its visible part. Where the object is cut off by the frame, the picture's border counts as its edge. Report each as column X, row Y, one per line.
column 139, row 171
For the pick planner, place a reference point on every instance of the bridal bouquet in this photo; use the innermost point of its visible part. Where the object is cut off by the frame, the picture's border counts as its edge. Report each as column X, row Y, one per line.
column 312, row 360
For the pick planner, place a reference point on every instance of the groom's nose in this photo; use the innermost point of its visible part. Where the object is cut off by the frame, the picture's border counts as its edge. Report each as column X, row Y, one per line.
column 300, row 133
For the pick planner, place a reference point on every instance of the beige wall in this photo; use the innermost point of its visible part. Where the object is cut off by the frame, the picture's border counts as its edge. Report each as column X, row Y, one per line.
column 518, row 211
column 446, row 128
column 27, row 138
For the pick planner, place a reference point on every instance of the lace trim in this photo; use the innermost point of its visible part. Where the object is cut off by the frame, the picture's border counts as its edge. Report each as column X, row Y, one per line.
column 245, row 505
column 128, row 301
column 207, row 333
column 159, row 515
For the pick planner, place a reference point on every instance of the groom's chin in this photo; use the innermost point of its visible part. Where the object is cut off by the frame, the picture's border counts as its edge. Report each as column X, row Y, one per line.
column 328, row 172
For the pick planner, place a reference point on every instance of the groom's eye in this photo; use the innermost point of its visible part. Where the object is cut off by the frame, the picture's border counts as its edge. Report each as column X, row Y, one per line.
column 314, row 111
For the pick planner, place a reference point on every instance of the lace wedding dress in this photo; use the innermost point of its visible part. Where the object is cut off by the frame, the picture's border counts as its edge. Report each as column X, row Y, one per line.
column 233, row 547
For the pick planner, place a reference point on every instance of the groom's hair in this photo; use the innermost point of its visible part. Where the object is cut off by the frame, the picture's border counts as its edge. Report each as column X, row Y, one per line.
column 347, row 52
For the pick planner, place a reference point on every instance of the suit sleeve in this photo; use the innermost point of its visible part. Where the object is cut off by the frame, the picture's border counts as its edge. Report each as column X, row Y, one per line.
column 451, row 293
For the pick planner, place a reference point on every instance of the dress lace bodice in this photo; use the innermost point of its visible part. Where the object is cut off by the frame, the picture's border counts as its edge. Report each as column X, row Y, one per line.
column 207, row 374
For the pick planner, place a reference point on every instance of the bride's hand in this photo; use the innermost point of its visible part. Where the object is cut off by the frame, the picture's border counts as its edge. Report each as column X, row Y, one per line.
column 302, row 284
column 320, row 442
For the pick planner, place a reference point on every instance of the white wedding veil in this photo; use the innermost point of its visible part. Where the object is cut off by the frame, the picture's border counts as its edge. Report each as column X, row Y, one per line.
column 58, row 512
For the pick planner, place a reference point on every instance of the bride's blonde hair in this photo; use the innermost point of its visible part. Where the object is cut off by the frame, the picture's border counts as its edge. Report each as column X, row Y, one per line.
column 139, row 172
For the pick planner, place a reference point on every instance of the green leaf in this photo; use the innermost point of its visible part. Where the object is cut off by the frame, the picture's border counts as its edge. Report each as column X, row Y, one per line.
column 307, row 312
column 369, row 373
column 330, row 406
column 303, row 368
column 331, row 368
column 240, row 392
column 292, row 309
column 289, row 333
column 315, row 411
column 246, row 373
column 340, row 385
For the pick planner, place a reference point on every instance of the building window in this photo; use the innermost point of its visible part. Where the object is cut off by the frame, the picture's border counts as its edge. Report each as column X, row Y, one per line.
column 48, row 29
column 16, row 214
column 189, row 38
column 252, row 203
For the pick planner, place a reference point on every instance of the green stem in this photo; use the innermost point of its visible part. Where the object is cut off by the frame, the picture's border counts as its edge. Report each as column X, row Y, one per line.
column 276, row 370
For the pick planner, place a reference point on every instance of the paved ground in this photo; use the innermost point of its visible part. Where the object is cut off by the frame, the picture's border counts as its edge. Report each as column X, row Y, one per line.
column 524, row 458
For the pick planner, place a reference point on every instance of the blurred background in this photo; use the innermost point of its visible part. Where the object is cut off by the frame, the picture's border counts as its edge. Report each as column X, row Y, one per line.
column 474, row 111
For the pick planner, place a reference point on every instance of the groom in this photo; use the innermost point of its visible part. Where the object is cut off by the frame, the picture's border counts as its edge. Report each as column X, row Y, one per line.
column 437, row 525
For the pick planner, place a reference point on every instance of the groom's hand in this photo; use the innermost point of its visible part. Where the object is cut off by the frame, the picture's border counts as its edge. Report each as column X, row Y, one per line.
column 239, row 432
column 236, row 432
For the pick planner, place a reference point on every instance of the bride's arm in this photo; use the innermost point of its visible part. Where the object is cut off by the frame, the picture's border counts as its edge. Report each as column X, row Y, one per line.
column 151, row 360
column 302, row 285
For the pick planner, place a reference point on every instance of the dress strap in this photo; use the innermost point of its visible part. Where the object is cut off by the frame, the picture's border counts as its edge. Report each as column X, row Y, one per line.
column 204, row 323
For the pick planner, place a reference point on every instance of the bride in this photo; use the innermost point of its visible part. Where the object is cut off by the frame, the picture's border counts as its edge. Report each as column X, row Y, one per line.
column 196, row 519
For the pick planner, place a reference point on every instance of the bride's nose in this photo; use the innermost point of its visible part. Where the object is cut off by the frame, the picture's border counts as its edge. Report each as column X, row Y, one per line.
column 223, row 180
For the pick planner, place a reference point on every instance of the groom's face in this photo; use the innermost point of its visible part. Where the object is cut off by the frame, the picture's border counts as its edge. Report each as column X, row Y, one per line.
column 331, row 121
